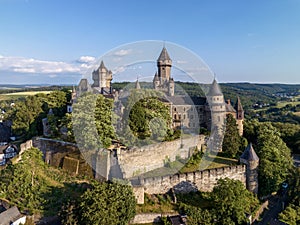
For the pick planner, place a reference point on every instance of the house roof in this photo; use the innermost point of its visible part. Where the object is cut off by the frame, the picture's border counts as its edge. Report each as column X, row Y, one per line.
column 186, row 100
column 249, row 154
column 164, row 55
column 214, row 89
column 4, row 147
column 176, row 220
column 10, row 215
column 4, row 133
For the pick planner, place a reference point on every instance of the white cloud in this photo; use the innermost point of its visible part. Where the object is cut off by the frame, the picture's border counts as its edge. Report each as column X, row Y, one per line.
column 122, row 52
column 181, row 61
column 29, row 65
column 53, row 75
column 86, row 59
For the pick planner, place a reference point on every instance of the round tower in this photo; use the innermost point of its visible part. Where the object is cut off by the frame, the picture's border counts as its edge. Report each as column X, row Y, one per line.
column 217, row 107
column 251, row 160
column 239, row 115
column 171, row 87
column 156, row 81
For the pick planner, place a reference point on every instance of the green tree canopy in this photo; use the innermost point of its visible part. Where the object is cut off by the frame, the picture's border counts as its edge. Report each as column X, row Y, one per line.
column 232, row 141
column 273, row 153
column 107, row 203
column 232, row 201
column 92, row 121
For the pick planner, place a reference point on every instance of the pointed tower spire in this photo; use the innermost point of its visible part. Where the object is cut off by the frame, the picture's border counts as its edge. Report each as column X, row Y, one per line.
column 214, row 89
column 238, row 105
column 164, row 55
column 102, row 66
column 137, row 83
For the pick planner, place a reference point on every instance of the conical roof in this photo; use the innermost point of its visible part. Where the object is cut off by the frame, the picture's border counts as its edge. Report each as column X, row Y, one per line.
column 214, row 89
column 249, row 154
column 102, row 66
column 137, row 84
column 164, row 55
column 156, row 77
column 238, row 105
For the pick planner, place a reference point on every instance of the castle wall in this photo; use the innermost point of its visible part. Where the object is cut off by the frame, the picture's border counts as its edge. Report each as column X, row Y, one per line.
column 140, row 160
column 201, row 180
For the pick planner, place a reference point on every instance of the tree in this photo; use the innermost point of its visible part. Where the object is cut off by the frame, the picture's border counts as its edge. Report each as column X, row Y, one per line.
column 107, row 203
column 198, row 216
column 21, row 184
column 291, row 215
column 232, row 141
column 273, row 153
column 92, row 121
column 146, row 119
column 24, row 114
column 232, row 201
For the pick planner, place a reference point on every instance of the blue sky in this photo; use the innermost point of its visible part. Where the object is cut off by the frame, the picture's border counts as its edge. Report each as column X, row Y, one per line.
column 43, row 41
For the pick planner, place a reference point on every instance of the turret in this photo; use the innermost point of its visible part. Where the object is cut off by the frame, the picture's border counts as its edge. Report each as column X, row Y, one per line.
column 239, row 115
column 156, row 81
column 217, row 107
column 171, row 87
column 102, row 77
column 251, row 160
column 137, row 84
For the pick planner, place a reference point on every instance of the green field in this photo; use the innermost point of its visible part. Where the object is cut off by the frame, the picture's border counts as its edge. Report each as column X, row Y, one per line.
column 17, row 95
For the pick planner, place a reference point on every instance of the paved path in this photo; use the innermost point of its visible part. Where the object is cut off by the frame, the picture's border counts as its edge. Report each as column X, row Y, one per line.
column 275, row 207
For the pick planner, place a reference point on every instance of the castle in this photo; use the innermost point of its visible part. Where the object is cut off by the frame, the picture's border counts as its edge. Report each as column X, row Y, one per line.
column 187, row 112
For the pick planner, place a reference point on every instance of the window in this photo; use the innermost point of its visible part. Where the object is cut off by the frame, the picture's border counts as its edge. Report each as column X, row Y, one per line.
column 175, row 109
column 175, row 117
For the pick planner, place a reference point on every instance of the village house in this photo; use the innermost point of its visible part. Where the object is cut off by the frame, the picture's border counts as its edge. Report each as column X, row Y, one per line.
column 7, row 152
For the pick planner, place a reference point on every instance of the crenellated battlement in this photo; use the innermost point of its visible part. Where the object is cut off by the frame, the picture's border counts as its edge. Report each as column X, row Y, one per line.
column 203, row 180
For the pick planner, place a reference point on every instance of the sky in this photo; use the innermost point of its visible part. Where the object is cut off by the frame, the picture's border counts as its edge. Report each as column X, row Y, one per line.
column 61, row 41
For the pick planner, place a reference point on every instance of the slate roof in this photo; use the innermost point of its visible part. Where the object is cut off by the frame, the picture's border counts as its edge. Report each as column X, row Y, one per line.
column 4, row 133
column 185, row 100
column 102, row 65
column 10, row 215
column 229, row 108
column 156, row 77
column 214, row 89
column 137, row 84
column 238, row 105
column 176, row 220
column 249, row 154
column 3, row 147
column 164, row 55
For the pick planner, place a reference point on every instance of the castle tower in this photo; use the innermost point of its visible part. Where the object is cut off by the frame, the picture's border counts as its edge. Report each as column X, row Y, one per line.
column 156, row 81
column 239, row 115
column 251, row 160
column 164, row 64
column 102, row 77
column 217, row 107
column 171, row 87
column 137, row 84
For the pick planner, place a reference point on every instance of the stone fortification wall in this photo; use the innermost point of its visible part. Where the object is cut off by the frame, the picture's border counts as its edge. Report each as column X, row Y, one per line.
column 140, row 160
column 200, row 180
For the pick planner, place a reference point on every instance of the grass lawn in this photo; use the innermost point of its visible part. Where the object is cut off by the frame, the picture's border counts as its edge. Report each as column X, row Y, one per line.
column 16, row 95
column 180, row 166
column 297, row 113
column 282, row 104
column 210, row 162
